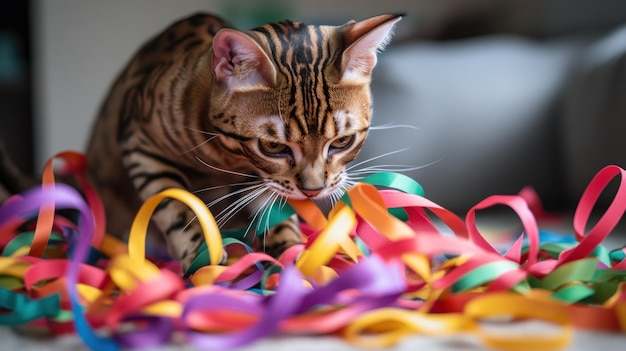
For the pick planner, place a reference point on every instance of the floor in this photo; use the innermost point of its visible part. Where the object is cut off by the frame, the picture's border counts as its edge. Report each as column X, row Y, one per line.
column 581, row 341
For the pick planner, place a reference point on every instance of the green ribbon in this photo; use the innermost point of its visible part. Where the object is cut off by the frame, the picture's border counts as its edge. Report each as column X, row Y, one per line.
column 395, row 181
column 26, row 240
column 552, row 249
column 24, row 309
column 574, row 293
column 605, row 284
column 617, row 255
column 483, row 274
column 582, row 270
column 266, row 274
column 203, row 258
column 11, row 283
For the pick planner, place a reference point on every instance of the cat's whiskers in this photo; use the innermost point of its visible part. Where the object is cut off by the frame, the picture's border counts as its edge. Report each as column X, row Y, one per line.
column 280, row 95
column 283, row 202
column 231, row 210
column 211, row 138
column 336, row 195
column 256, row 189
column 199, row 145
column 202, row 131
column 393, row 126
column 386, row 168
column 354, row 174
column 374, row 158
column 254, row 186
column 264, row 210
column 253, row 182
column 226, row 170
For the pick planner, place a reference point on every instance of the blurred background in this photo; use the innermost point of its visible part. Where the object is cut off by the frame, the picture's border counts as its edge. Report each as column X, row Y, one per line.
column 488, row 96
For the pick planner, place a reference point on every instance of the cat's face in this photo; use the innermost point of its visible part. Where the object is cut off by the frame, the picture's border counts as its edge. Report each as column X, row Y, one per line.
column 297, row 109
column 299, row 152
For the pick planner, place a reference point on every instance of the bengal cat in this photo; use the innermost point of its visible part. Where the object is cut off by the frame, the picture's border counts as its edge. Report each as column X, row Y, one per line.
column 241, row 118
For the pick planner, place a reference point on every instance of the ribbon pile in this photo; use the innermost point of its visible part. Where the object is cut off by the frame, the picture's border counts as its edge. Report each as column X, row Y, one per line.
column 381, row 266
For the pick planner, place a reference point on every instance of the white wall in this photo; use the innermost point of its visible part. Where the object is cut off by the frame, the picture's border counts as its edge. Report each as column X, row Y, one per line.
column 80, row 46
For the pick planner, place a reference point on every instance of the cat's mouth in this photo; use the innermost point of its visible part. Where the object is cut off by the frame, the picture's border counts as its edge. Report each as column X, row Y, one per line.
column 333, row 192
column 289, row 191
column 302, row 194
column 314, row 194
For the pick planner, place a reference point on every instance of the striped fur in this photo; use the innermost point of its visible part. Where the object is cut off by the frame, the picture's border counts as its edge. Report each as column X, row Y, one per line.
column 203, row 106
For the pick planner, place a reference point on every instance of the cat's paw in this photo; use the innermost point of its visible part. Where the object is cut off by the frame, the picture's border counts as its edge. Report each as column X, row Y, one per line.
column 282, row 236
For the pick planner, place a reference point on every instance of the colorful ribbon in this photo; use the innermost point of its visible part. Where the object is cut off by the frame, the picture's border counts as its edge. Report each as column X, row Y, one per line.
column 376, row 269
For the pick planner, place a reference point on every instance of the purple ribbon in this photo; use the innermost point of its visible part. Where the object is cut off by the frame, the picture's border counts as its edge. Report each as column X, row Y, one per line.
column 65, row 197
column 374, row 283
column 157, row 331
column 371, row 277
column 273, row 309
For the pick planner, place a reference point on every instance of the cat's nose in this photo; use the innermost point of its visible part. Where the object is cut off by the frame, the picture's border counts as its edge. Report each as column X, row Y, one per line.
column 311, row 192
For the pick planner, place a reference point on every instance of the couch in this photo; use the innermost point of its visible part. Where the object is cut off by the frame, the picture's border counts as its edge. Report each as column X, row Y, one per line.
column 491, row 114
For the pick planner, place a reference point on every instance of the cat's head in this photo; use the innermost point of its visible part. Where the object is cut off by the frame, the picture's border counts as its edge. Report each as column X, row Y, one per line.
column 294, row 99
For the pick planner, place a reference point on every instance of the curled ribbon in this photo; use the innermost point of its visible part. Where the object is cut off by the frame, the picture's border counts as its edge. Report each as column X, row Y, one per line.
column 376, row 269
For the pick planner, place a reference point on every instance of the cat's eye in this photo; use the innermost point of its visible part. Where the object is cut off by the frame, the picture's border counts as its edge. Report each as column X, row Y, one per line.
column 342, row 142
column 271, row 148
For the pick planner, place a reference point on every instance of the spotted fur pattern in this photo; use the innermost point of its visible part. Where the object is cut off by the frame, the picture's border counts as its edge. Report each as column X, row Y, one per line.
column 263, row 115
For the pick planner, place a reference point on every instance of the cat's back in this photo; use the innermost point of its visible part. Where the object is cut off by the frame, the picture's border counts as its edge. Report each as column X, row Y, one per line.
column 145, row 87
column 161, row 57
column 184, row 37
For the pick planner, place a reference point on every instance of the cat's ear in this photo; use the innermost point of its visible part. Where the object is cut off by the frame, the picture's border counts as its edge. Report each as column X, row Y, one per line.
column 239, row 61
column 364, row 40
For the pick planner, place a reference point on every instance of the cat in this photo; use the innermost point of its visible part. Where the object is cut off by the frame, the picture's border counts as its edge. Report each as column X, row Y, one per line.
column 241, row 118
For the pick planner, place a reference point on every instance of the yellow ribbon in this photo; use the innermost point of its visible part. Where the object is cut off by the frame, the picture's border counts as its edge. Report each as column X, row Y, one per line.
column 386, row 327
column 137, row 237
column 340, row 224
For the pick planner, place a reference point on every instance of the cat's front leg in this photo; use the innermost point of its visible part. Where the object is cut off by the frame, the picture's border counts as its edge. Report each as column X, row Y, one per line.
column 152, row 173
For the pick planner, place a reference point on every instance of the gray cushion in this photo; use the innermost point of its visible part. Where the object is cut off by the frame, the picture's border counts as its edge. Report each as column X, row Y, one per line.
column 594, row 118
column 484, row 109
